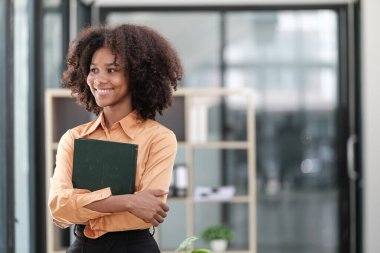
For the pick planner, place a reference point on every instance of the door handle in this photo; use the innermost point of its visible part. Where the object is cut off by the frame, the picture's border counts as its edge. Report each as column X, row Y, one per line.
column 352, row 174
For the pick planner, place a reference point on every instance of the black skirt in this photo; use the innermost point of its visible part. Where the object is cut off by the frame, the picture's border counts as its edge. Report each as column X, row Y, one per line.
column 133, row 241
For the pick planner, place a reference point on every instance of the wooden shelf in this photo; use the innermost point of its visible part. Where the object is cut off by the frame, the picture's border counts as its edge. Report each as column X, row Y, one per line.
column 235, row 199
column 179, row 200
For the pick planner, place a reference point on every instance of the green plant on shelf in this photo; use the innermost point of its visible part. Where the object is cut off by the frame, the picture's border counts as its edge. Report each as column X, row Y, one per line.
column 186, row 246
column 217, row 232
column 218, row 237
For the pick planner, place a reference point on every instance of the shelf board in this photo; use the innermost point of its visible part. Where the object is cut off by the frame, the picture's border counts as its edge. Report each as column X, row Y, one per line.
column 236, row 199
column 175, row 199
column 222, row 145
column 216, row 91
column 59, row 93
column 63, row 250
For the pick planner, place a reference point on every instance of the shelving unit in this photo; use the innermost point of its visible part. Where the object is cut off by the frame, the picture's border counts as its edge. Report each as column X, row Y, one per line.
column 61, row 114
column 215, row 132
column 205, row 146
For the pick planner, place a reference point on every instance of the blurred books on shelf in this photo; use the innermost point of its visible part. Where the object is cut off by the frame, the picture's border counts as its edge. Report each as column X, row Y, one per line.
column 214, row 193
column 179, row 183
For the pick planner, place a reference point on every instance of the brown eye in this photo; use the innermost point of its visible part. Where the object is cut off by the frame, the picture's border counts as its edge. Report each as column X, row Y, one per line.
column 93, row 70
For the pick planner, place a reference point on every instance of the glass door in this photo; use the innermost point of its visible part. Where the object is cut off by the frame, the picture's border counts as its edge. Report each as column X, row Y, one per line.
column 291, row 59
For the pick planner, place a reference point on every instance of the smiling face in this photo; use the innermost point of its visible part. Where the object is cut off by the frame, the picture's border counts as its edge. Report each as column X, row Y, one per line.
column 108, row 82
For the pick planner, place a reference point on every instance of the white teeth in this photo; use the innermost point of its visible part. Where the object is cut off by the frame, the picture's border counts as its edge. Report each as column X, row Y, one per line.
column 104, row 91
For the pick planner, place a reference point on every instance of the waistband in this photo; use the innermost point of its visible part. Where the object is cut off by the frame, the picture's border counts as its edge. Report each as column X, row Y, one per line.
column 128, row 234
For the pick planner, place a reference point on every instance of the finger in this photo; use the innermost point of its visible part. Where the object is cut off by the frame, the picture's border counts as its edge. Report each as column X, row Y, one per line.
column 159, row 218
column 164, row 207
column 154, row 222
column 162, row 213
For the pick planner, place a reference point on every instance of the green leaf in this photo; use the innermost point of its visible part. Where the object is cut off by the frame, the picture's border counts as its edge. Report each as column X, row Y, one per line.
column 185, row 245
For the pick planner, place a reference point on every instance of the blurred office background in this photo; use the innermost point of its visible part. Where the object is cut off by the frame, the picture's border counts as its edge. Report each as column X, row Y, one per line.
column 313, row 65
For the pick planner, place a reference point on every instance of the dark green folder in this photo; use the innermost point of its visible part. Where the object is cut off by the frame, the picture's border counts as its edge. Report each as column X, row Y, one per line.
column 99, row 164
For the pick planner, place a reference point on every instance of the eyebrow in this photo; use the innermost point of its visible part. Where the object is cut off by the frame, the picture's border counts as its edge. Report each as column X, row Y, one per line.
column 107, row 64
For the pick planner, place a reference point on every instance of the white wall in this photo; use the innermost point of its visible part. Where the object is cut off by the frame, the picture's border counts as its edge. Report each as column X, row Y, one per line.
column 371, row 122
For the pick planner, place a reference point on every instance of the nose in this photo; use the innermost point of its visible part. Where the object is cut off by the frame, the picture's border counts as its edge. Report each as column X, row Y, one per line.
column 99, row 79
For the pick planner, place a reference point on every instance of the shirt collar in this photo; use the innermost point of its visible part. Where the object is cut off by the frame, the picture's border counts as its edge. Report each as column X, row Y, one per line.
column 129, row 124
column 93, row 125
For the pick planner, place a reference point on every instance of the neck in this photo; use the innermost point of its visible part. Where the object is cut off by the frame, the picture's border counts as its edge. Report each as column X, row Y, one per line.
column 112, row 115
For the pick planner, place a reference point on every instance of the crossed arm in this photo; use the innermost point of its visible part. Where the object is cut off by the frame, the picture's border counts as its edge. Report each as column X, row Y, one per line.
column 145, row 205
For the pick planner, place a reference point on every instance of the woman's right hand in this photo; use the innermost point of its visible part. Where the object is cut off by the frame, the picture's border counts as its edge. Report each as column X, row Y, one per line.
column 148, row 206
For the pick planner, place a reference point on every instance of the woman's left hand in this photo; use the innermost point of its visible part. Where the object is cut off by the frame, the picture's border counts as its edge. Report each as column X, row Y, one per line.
column 148, row 206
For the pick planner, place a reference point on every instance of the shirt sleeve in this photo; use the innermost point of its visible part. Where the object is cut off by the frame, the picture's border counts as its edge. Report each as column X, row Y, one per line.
column 159, row 166
column 157, row 175
column 66, row 204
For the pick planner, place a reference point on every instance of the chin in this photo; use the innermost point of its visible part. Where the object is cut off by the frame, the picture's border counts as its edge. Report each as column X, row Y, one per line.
column 102, row 104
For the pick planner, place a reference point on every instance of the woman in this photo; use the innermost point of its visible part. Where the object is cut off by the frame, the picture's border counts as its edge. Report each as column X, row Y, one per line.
column 125, row 75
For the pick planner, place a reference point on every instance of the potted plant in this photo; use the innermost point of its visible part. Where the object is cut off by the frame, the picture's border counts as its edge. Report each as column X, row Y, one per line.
column 186, row 246
column 218, row 236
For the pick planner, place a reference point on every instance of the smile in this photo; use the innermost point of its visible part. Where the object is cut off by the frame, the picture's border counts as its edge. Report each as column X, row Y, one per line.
column 104, row 91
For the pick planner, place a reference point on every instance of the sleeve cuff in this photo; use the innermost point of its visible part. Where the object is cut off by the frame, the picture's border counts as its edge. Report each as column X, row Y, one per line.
column 90, row 197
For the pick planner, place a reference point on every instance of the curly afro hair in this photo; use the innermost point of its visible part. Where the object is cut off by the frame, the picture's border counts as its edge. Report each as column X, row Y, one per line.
column 151, row 65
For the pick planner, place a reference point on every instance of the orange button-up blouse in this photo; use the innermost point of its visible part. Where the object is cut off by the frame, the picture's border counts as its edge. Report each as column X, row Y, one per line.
column 157, row 148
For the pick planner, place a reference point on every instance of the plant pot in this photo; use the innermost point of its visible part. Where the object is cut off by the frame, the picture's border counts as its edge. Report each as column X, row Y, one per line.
column 218, row 245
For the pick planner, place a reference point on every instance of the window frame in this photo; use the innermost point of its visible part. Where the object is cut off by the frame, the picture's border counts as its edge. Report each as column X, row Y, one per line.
column 7, row 194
